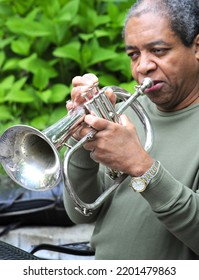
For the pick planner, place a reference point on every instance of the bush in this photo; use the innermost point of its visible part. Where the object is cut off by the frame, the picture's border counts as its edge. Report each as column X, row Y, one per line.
column 45, row 43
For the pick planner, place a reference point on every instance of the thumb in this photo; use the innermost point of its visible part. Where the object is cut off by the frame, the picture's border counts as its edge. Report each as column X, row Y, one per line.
column 124, row 120
column 69, row 105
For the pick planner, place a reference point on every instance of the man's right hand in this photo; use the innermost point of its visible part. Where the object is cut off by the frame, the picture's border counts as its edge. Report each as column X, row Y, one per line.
column 82, row 84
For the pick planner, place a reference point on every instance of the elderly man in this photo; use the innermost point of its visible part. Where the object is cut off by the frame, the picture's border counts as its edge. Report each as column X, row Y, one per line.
column 157, row 217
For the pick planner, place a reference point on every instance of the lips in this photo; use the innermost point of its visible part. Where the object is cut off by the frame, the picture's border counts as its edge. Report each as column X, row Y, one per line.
column 156, row 86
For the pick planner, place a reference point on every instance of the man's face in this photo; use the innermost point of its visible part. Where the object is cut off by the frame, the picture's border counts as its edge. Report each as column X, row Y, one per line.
column 156, row 52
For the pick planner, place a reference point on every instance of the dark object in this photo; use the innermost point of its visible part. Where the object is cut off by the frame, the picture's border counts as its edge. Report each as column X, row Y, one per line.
column 10, row 252
column 19, row 206
column 78, row 248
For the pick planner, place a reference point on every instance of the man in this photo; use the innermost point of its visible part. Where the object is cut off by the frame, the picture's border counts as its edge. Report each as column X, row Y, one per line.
column 162, row 220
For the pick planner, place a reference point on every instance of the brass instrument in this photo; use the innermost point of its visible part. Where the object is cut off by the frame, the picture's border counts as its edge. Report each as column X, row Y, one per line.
column 31, row 157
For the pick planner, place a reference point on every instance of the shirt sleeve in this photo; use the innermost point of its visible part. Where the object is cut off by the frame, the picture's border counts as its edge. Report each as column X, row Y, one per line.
column 176, row 206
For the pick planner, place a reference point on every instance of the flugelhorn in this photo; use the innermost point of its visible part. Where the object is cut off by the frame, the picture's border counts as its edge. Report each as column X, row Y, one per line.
column 31, row 157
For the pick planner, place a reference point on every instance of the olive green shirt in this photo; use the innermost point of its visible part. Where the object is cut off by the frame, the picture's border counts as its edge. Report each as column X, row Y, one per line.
column 163, row 221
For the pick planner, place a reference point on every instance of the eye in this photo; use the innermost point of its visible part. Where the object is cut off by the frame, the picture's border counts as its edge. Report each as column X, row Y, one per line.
column 134, row 55
column 160, row 51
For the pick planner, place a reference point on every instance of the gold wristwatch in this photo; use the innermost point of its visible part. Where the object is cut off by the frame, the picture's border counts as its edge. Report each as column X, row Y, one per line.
column 139, row 184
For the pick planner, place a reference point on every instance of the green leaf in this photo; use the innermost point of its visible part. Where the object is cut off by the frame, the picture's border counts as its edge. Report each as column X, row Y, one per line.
column 102, row 20
column 108, row 80
column 59, row 93
column 5, row 9
column 7, row 83
column 27, row 27
column 71, row 51
column 101, row 55
column 19, row 96
column 102, row 33
column 113, row 11
column 86, row 37
column 130, row 87
column 89, row 19
column 5, row 115
column 19, row 83
column 33, row 64
column 117, row 16
column 11, row 64
column 57, row 114
column 41, row 79
column 13, row 88
column 21, row 7
column 6, row 41
column 2, row 95
column 50, row 7
column 58, row 32
column 40, row 121
column 21, row 46
column 45, row 95
column 92, row 53
column 124, row 67
column 68, row 11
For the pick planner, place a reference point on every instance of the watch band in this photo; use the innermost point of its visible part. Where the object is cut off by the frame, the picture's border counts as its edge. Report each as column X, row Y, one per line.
column 153, row 170
column 139, row 184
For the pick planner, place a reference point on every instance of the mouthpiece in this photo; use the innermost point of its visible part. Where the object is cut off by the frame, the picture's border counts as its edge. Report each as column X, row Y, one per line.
column 146, row 83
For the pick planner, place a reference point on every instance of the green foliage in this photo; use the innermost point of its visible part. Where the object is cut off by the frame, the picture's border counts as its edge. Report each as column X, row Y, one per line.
column 45, row 43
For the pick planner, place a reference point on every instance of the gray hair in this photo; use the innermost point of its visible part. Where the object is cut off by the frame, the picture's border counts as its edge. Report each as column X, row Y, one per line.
column 183, row 16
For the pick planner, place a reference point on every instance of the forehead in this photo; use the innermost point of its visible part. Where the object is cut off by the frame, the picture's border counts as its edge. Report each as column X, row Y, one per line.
column 148, row 27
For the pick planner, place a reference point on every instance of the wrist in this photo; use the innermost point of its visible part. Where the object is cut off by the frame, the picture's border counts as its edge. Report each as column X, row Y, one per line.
column 140, row 169
column 140, row 183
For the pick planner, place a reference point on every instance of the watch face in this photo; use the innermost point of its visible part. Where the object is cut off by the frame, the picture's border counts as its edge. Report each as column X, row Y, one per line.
column 138, row 184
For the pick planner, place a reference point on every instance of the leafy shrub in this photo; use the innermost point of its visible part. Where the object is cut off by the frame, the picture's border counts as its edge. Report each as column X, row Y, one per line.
column 45, row 43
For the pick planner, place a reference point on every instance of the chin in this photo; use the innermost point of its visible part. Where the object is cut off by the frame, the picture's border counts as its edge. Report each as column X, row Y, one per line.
column 161, row 104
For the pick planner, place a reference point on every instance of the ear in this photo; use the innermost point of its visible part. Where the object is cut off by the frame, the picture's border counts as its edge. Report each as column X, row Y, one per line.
column 197, row 46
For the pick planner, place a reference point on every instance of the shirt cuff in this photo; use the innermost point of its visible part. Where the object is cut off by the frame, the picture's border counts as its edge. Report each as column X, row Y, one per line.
column 163, row 190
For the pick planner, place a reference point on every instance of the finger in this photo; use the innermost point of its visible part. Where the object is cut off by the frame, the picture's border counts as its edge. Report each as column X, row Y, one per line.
column 89, row 145
column 85, row 80
column 111, row 95
column 91, row 77
column 96, row 122
column 76, row 95
column 78, row 90
column 124, row 120
column 82, row 130
column 69, row 105
column 83, row 84
column 76, row 80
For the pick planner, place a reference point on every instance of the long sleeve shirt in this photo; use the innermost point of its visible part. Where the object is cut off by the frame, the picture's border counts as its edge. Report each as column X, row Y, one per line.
column 163, row 221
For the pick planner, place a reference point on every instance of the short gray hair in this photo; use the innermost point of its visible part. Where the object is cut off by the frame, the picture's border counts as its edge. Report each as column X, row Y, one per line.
column 183, row 16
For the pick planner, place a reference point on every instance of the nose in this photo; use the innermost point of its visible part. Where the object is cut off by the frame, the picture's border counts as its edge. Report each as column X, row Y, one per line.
column 145, row 64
